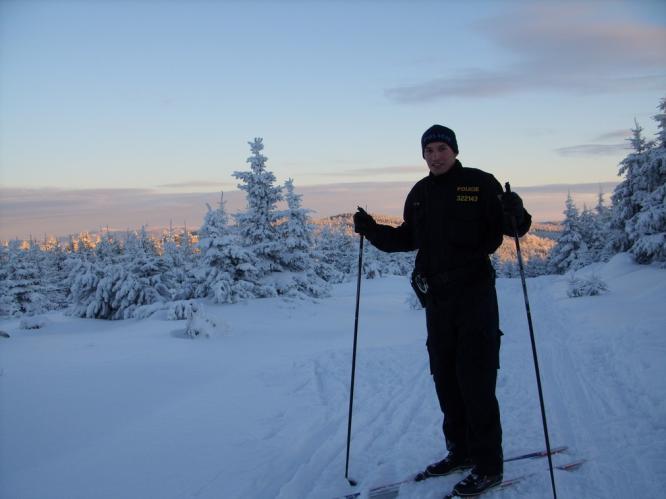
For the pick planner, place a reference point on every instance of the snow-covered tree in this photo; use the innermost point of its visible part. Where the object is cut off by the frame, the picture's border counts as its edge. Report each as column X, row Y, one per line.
column 338, row 250
column 585, row 286
column 598, row 245
column 570, row 252
column 647, row 228
column 109, row 248
column 84, row 277
column 54, row 275
column 50, row 243
column 295, row 232
column 186, row 243
column 170, row 250
column 587, row 228
column 22, row 291
column 117, row 291
column 624, row 197
column 226, row 271
column 83, row 243
column 180, row 264
column 298, row 257
column 139, row 242
column 257, row 225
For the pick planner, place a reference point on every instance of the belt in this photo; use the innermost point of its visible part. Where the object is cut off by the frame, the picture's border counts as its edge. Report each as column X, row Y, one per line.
column 472, row 273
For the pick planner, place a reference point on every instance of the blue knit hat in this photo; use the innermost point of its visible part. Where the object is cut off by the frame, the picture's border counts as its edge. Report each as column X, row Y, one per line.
column 439, row 133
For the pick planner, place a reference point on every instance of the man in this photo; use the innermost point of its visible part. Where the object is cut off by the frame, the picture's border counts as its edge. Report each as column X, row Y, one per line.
column 456, row 217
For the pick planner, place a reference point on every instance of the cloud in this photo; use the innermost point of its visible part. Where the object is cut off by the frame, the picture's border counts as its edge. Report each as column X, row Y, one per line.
column 593, row 150
column 614, row 135
column 596, row 149
column 565, row 46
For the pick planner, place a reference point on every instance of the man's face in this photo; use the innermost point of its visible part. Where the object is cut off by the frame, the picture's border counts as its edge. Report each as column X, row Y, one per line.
column 439, row 157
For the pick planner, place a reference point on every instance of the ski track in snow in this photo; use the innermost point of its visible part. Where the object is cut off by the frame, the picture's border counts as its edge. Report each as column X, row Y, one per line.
column 262, row 412
column 597, row 401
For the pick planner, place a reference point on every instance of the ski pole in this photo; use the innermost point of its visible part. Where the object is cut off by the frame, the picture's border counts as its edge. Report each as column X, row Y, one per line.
column 353, row 371
column 534, row 349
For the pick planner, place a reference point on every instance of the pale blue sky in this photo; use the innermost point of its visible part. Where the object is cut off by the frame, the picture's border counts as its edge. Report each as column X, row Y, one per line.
column 165, row 94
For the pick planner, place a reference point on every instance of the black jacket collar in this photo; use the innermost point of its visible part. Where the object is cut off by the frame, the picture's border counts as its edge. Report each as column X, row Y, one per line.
column 444, row 177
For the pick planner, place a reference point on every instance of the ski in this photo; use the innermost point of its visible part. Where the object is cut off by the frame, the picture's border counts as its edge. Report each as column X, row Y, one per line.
column 537, row 454
column 508, row 482
column 381, row 491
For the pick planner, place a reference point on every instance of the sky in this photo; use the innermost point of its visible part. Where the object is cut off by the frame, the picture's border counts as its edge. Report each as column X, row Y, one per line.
column 146, row 101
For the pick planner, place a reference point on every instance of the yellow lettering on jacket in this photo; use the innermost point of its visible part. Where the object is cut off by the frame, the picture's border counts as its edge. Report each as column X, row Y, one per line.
column 467, row 188
column 467, row 199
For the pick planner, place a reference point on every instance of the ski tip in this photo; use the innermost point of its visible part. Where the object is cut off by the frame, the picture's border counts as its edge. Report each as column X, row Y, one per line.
column 571, row 466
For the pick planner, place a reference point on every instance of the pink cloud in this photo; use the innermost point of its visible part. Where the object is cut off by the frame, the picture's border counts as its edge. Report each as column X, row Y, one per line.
column 559, row 46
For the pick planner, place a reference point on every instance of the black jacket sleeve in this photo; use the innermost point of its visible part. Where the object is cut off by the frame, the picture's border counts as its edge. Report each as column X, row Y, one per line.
column 394, row 239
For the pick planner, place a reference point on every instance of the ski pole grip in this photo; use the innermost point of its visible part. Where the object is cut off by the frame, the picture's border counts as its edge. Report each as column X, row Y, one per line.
column 507, row 187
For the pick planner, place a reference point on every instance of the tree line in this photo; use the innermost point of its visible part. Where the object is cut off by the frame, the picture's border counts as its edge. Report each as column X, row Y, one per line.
column 264, row 251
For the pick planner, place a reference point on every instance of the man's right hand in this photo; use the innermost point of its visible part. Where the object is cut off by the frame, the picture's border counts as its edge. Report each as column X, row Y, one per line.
column 364, row 224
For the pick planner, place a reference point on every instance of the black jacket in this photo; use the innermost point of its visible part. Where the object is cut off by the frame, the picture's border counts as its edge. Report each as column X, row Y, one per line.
column 454, row 220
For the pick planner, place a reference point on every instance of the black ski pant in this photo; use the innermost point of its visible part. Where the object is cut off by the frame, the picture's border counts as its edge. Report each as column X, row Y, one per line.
column 463, row 346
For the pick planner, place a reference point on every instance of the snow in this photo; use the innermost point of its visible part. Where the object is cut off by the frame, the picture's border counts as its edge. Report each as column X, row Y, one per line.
column 133, row 409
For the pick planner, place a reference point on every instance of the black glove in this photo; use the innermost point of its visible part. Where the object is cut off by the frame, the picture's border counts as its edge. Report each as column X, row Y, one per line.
column 512, row 206
column 364, row 224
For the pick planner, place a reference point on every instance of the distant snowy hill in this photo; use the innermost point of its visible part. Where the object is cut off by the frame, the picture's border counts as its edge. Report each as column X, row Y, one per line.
column 536, row 244
column 132, row 409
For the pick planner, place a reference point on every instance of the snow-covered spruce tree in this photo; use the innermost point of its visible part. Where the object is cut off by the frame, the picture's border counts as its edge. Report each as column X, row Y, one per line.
column 83, row 243
column 623, row 199
column 400, row 263
column 54, row 274
column 170, row 249
column 570, row 251
column 185, row 242
column 338, row 250
column 536, row 266
column 323, row 246
column 298, row 256
column 588, row 286
column 378, row 263
column 109, row 250
column 5, row 307
column 21, row 290
column 598, row 246
column 647, row 228
column 587, row 229
column 226, row 272
column 84, row 278
column 143, row 278
column 139, row 279
column 180, row 264
column 295, row 232
column 257, row 225
column 371, row 262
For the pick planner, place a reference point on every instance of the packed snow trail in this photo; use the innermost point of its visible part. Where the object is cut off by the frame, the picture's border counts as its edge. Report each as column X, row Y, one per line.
column 130, row 409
